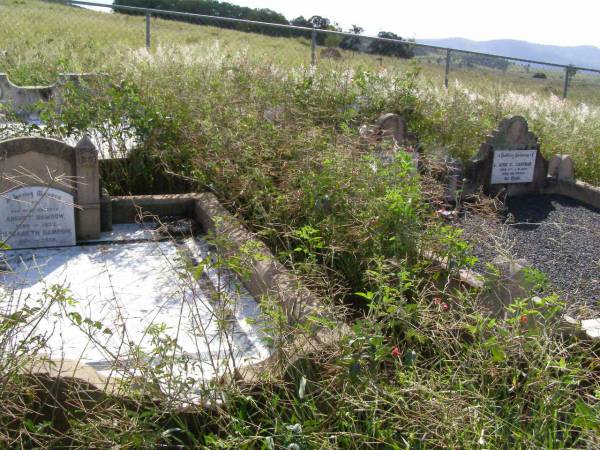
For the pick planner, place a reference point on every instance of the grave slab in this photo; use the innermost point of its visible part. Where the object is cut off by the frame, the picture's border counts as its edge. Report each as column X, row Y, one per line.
column 128, row 282
column 554, row 234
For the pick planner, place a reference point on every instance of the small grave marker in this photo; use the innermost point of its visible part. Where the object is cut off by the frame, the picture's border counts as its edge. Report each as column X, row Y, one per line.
column 49, row 193
column 388, row 136
column 508, row 161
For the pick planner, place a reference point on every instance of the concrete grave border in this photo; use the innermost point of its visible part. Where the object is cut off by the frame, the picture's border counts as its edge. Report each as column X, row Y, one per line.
column 575, row 189
column 267, row 278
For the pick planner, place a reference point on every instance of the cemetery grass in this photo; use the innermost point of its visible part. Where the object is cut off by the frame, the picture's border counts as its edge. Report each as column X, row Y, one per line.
column 420, row 364
column 41, row 40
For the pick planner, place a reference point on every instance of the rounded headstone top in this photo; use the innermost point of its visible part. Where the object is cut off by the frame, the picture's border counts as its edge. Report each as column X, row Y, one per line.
column 392, row 125
column 553, row 165
column 517, row 129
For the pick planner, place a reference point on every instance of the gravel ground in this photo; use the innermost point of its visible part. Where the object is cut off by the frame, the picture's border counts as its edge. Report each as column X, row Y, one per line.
column 556, row 235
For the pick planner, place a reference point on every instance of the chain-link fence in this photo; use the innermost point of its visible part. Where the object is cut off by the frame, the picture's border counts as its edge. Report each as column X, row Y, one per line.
column 102, row 36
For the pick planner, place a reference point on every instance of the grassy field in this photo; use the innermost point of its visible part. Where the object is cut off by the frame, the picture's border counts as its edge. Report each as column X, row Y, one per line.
column 245, row 116
column 39, row 43
column 88, row 40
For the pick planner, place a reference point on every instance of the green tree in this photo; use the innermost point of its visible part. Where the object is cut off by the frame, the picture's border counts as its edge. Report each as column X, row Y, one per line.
column 400, row 49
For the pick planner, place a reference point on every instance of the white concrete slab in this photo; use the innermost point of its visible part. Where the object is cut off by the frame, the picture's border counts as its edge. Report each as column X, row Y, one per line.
column 126, row 289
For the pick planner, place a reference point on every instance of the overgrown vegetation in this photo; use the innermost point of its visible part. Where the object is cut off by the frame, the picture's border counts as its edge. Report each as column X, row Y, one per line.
column 421, row 365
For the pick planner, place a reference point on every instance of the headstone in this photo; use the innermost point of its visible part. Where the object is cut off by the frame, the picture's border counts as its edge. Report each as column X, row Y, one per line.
column 391, row 127
column 388, row 136
column 453, row 177
column 553, row 166
column 507, row 283
column 509, row 161
column 566, row 170
column 23, row 100
column 332, row 53
column 49, row 192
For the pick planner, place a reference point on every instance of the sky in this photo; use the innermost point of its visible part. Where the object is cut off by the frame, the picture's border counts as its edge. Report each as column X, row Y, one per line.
column 564, row 22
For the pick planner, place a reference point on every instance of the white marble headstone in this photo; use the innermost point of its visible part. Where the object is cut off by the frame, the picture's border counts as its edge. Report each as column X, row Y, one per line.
column 36, row 216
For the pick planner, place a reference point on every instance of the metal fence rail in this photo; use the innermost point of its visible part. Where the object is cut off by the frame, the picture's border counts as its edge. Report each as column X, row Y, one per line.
column 149, row 13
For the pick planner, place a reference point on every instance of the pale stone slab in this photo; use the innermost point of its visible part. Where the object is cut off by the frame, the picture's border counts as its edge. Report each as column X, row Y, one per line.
column 129, row 287
column 591, row 327
column 513, row 166
column 34, row 216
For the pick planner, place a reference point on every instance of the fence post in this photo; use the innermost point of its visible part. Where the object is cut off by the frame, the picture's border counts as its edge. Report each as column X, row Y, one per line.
column 148, row 29
column 313, row 47
column 566, row 88
column 447, row 68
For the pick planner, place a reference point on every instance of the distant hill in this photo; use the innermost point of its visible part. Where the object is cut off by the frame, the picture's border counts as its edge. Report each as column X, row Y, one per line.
column 585, row 55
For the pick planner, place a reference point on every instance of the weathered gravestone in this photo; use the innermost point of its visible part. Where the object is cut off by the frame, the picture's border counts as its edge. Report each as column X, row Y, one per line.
column 388, row 136
column 392, row 126
column 49, row 193
column 24, row 100
column 509, row 161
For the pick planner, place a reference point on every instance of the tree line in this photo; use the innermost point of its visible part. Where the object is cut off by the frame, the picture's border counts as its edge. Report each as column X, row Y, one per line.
column 224, row 9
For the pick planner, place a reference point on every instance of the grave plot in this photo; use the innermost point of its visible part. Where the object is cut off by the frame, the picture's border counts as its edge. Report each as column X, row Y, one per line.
column 109, row 301
column 23, row 102
column 556, row 235
column 116, row 292
column 529, row 217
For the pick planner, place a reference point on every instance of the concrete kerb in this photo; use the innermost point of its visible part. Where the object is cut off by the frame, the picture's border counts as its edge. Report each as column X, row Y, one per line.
column 267, row 278
column 578, row 190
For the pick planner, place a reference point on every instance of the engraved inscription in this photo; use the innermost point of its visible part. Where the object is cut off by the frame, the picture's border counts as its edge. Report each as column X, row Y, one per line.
column 513, row 166
column 36, row 216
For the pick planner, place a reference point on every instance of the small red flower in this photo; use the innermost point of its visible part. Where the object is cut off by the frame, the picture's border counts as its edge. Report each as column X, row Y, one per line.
column 396, row 353
column 524, row 320
column 445, row 306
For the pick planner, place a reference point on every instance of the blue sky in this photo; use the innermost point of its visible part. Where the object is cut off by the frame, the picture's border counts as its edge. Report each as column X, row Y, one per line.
column 572, row 22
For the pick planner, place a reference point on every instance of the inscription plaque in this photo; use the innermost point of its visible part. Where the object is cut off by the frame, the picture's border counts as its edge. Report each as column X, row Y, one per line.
column 37, row 216
column 513, row 166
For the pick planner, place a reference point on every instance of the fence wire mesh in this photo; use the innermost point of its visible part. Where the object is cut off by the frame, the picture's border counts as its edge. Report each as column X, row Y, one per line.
column 88, row 42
